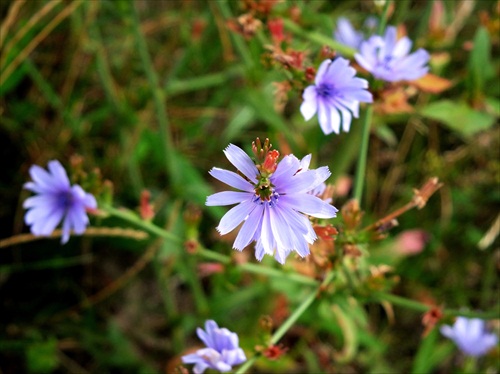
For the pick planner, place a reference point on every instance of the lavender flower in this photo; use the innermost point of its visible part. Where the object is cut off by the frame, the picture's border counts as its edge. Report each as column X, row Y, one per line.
column 271, row 201
column 388, row 58
column 470, row 336
column 335, row 96
column 222, row 350
column 346, row 34
column 56, row 201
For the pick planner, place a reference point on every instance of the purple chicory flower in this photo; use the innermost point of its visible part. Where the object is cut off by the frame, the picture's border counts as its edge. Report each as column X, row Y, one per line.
column 470, row 336
column 272, row 201
column 56, row 201
column 335, row 96
column 389, row 59
column 222, row 350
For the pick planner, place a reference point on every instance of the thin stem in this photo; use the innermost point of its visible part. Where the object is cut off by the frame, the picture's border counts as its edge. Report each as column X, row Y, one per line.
column 367, row 119
column 318, row 38
column 415, row 305
column 383, row 19
column 278, row 334
column 363, row 154
column 147, row 226
column 176, row 86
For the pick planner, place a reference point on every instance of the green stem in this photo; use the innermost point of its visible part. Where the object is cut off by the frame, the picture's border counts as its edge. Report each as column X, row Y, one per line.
column 420, row 307
column 318, row 38
column 175, row 87
column 470, row 365
column 278, row 334
column 367, row 119
column 301, row 309
column 383, row 19
column 363, row 154
column 129, row 216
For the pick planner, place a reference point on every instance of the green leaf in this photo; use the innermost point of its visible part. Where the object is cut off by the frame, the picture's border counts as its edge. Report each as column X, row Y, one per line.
column 459, row 117
column 431, row 354
column 41, row 357
column 480, row 66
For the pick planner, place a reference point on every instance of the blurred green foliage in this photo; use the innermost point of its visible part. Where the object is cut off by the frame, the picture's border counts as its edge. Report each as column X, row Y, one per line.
column 150, row 93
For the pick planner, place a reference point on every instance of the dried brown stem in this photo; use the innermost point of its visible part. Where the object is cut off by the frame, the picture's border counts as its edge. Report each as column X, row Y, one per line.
column 420, row 198
column 91, row 231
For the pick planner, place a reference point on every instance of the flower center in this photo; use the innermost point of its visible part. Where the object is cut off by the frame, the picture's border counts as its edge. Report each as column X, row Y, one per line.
column 266, row 195
column 326, row 90
column 65, row 199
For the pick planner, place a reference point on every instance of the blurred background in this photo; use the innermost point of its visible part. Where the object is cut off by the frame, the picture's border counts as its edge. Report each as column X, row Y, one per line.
column 135, row 96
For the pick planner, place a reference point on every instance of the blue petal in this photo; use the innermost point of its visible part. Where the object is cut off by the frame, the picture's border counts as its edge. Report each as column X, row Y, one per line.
column 310, row 104
column 241, row 161
column 247, row 231
column 59, row 176
column 311, row 205
column 232, row 179
column 235, row 216
column 228, row 198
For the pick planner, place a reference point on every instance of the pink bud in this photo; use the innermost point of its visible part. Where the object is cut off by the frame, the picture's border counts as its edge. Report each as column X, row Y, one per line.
column 411, row 242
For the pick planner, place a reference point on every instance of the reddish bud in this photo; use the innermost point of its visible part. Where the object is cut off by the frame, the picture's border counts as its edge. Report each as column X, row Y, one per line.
column 274, row 352
column 431, row 318
column 146, row 209
column 325, row 232
column 276, row 29
column 208, row 268
column 191, row 246
column 310, row 74
column 271, row 162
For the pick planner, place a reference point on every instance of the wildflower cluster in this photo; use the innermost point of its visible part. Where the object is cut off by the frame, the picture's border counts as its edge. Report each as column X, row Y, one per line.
column 337, row 93
column 278, row 201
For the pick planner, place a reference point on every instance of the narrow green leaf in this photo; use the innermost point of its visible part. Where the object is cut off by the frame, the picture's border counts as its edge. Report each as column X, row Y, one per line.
column 480, row 66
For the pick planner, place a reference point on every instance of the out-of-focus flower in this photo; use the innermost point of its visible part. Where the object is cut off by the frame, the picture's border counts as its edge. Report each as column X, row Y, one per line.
column 56, row 201
column 335, row 96
column 276, row 29
column 271, row 201
column 470, row 336
column 222, row 350
column 346, row 34
column 411, row 242
column 389, row 59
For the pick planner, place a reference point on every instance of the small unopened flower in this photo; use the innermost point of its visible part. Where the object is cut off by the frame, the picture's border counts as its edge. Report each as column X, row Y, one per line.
column 470, row 336
column 389, row 59
column 222, row 350
column 56, row 201
column 272, row 202
column 346, row 34
column 335, row 96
